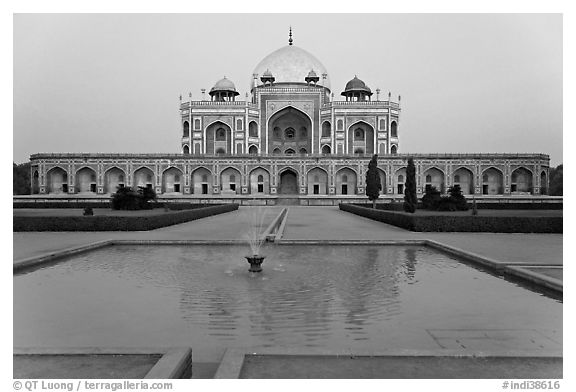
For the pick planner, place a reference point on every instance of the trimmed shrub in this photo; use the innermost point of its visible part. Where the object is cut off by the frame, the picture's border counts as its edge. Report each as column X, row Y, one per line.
column 431, row 198
column 460, row 223
column 457, row 198
column 373, row 184
column 88, row 211
column 410, row 199
column 519, row 206
column 61, row 204
column 116, row 223
column 126, row 198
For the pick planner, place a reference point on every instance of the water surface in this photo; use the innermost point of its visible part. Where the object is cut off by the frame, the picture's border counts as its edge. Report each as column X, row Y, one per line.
column 329, row 297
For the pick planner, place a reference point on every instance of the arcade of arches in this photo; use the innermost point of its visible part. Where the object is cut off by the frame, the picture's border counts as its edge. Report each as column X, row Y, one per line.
column 314, row 180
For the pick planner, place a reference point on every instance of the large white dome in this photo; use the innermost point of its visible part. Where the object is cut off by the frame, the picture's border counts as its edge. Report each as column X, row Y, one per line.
column 291, row 64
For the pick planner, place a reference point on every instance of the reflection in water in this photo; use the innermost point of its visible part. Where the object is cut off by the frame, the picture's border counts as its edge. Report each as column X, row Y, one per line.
column 410, row 263
column 373, row 297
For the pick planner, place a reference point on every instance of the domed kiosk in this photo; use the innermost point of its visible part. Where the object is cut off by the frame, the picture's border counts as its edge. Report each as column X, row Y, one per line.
column 356, row 90
column 223, row 90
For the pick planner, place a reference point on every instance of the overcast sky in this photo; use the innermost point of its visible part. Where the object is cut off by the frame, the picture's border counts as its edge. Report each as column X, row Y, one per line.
column 110, row 82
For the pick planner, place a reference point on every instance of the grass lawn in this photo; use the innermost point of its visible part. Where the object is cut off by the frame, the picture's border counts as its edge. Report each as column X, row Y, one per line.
column 80, row 212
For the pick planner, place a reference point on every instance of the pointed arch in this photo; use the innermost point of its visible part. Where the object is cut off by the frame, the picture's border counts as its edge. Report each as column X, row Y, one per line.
column 464, row 177
column 114, row 177
column 218, row 138
column 284, row 168
column 521, row 180
column 186, row 129
column 346, row 180
column 230, row 180
column 360, row 138
column 394, row 128
column 288, row 181
column 399, row 180
column 57, row 180
column 86, row 180
column 317, row 179
column 172, row 180
column 201, row 178
column 290, row 107
column 259, row 179
column 290, row 127
column 252, row 129
column 253, row 150
column 144, row 177
column 492, row 181
column 434, row 177
column 326, row 129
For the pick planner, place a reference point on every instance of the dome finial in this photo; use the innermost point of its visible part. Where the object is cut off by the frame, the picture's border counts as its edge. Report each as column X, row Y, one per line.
column 290, row 37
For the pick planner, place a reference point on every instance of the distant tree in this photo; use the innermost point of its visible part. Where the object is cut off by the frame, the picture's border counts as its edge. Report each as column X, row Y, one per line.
column 373, row 184
column 21, row 179
column 556, row 181
column 410, row 199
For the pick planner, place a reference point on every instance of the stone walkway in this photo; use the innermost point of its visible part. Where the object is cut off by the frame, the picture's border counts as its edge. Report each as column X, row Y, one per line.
column 320, row 223
column 330, row 223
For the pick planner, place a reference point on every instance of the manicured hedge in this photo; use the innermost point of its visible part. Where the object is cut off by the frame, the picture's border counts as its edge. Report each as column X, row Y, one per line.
column 397, row 206
column 183, row 206
column 61, row 204
column 518, row 206
column 116, row 223
column 460, row 223
column 103, row 204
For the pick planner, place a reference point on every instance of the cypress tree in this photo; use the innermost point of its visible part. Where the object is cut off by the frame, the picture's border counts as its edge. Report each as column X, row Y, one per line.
column 410, row 199
column 373, row 184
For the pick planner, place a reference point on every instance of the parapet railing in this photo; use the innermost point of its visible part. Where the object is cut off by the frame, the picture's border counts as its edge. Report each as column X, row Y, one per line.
column 189, row 104
column 284, row 156
column 390, row 104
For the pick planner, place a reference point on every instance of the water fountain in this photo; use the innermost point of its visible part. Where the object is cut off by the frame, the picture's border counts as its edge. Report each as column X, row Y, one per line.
column 256, row 238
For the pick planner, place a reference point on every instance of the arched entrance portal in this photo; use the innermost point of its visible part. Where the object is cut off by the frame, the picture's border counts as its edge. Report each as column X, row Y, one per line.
column 288, row 183
column 290, row 129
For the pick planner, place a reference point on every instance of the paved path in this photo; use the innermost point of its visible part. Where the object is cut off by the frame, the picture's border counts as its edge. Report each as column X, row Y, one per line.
column 322, row 223
column 227, row 226
column 330, row 223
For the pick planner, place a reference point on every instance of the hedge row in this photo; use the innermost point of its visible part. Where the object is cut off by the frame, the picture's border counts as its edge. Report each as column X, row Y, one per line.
column 61, row 204
column 103, row 204
column 461, row 223
column 398, row 206
column 116, row 223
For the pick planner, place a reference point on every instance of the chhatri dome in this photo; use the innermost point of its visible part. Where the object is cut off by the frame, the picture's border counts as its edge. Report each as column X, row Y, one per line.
column 290, row 64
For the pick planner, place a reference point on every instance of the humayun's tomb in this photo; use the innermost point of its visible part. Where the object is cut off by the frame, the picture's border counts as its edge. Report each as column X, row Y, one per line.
column 289, row 138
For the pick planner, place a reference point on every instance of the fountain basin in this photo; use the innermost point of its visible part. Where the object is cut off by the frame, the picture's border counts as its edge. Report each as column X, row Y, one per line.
column 337, row 297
